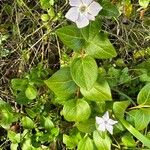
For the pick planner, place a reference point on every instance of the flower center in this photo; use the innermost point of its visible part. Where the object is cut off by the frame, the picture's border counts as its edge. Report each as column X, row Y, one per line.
column 105, row 122
column 82, row 8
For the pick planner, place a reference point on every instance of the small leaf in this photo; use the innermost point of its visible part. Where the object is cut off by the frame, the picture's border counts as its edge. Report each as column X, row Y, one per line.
column 45, row 4
column 91, row 30
column 109, row 10
column 76, row 110
column 84, row 71
column 143, row 97
column 99, row 92
column 61, row 83
column 86, row 144
column 120, row 107
column 142, row 118
column 19, row 84
column 70, row 141
column 14, row 146
column 102, row 143
column 128, row 140
column 27, row 123
column 100, row 47
column 22, row 99
column 87, row 126
column 144, row 3
column 71, row 37
column 14, row 137
column 31, row 92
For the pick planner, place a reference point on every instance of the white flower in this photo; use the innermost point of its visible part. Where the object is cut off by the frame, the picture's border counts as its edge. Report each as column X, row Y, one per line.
column 105, row 123
column 82, row 11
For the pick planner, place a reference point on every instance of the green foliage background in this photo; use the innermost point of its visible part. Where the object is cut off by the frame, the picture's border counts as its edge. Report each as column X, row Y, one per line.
column 55, row 78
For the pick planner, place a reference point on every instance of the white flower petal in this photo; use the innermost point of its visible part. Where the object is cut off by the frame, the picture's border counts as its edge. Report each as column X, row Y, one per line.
column 102, row 127
column 109, row 128
column 94, row 8
column 99, row 120
column 106, row 116
column 87, row 2
column 90, row 17
column 82, row 21
column 72, row 14
column 75, row 2
column 112, row 122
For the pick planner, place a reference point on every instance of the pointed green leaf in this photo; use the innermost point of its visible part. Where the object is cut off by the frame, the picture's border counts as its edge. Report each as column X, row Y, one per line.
column 71, row 37
column 144, row 95
column 61, row 83
column 76, row 110
column 120, row 107
column 142, row 118
column 87, row 126
column 84, row 71
column 27, row 123
column 100, row 47
column 99, row 92
column 102, row 143
column 86, row 144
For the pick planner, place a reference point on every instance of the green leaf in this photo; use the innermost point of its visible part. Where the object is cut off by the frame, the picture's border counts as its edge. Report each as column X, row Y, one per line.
column 27, row 123
column 128, row 140
column 99, row 92
column 45, row 4
column 100, row 47
column 136, row 133
column 120, row 107
column 61, row 83
column 144, row 3
column 31, row 92
column 102, row 143
column 7, row 116
column 19, row 84
column 76, row 110
column 70, row 141
column 91, row 30
column 71, row 37
column 14, row 137
column 142, row 118
column 13, row 146
column 22, row 99
column 84, row 71
column 109, row 10
column 86, row 144
column 87, row 126
column 143, row 97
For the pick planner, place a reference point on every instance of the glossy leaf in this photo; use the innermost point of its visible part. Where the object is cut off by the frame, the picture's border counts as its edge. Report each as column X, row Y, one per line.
column 71, row 37
column 91, row 30
column 31, row 92
column 27, row 123
column 128, row 140
column 76, row 110
column 87, row 126
column 99, row 92
column 120, row 107
column 61, row 83
column 102, row 143
column 142, row 118
column 84, row 71
column 144, row 95
column 86, row 144
column 100, row 47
